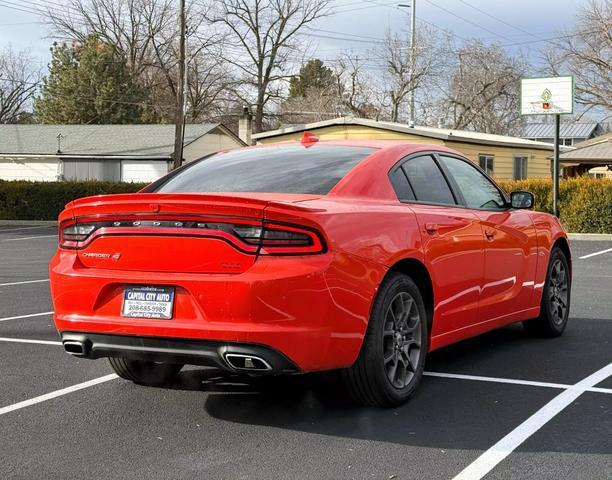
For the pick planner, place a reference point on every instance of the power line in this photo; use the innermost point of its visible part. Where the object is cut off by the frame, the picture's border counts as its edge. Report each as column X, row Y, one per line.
column 501, row 20
column 450, row 12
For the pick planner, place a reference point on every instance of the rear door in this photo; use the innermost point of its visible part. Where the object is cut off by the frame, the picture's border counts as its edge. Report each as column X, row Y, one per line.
column 452, row 241
column 510, row 242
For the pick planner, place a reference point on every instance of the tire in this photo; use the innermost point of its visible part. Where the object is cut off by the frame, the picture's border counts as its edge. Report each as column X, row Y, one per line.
column 392, row 358
column 145, row 373
column 555, row 304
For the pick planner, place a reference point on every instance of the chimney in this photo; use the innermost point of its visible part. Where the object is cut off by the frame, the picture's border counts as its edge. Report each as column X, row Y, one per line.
column 245, row 126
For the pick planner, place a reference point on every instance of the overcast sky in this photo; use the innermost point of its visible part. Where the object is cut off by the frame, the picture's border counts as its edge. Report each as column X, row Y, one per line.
column 518, row 21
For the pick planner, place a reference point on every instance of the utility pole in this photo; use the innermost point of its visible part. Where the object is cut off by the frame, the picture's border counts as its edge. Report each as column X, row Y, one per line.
column 180, row 92
column 412, row 57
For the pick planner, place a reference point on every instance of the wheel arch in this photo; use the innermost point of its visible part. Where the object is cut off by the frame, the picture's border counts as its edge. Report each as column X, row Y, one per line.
column 418, row 272
column 563, row 245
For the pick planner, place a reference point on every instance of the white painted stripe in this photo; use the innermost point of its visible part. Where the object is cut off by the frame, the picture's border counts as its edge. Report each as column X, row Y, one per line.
column 595, row 253
column 27, row 238
column 494, row 455
column 513, row 381
column 25, row 228
column 24, row 282
column 27, row 340
column 56, row 393
column 25, row 316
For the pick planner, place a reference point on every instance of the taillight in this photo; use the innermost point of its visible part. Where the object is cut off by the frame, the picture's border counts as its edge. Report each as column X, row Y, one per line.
column 280, row 239
column 72, row 233
column 250, row 236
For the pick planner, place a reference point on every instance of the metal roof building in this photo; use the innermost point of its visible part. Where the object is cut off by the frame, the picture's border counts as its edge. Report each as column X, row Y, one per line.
column 570, row 134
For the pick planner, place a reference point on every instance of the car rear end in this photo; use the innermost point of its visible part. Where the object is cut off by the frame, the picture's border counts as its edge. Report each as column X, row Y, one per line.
column 242, row 281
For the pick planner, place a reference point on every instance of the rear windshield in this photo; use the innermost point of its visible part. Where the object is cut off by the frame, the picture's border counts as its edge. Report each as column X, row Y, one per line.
column 275, row 169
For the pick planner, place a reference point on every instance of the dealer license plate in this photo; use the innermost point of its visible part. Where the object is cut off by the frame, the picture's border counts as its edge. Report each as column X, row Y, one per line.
column 148, row 302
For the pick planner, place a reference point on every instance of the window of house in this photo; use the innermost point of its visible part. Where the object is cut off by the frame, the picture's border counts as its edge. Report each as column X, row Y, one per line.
column 486, row 163
column 567, row 142
column 520, row 167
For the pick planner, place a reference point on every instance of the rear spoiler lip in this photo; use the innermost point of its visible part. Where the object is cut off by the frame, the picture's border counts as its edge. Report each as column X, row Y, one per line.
column 148, row 198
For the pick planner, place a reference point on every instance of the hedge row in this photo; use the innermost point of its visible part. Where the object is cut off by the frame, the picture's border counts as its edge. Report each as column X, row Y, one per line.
column 23, row 200
column 585, row 203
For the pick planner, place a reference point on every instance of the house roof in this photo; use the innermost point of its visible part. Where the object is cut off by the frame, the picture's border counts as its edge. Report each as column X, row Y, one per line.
column 571, row 130
column 440, row 133
column 598, row 150
column 98, row 140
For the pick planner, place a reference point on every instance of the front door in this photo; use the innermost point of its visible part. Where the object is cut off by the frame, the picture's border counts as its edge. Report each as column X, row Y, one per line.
column 510, row 243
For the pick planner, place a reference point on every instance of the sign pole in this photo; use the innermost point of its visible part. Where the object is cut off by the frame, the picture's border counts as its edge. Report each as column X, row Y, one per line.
column 556, row 167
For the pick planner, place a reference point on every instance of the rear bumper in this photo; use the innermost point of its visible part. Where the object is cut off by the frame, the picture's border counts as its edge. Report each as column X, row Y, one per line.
column 228, row 356
column 312, row 310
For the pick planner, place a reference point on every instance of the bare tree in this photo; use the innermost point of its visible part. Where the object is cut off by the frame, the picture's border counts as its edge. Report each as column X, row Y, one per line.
column 145, row 32
column 262, row 35
column 19, row 83
column 431, row 58
column 586, row 53
column 483, row 90
column 356, row 89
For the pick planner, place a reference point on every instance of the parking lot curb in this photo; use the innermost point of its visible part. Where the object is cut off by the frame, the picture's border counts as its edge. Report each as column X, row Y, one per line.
column 601, row 237
column 4, row 223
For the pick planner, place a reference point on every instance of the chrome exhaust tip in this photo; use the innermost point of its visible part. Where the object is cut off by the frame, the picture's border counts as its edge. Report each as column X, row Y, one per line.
column 251, row 363
column 74, row 347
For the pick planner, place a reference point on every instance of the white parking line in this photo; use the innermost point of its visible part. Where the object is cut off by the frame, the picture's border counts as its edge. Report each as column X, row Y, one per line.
column 595, row 253
column 27, row 238
column 25, row 316
column 24, row 282
column 56, row 393
column 513, row 381
column 25, row 228
column 494, row 455
column 27, row 340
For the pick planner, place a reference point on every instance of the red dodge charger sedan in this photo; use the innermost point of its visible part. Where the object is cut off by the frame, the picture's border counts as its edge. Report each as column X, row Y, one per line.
column 304, row 256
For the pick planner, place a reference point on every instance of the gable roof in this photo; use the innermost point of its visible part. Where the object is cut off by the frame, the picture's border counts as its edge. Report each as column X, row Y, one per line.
column 100, row 140
column 570, row 130
column 439, row 133
column 597, row 150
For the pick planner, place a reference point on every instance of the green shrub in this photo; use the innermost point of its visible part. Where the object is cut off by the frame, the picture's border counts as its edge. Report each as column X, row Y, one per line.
column 22, row 200
column 585, row 204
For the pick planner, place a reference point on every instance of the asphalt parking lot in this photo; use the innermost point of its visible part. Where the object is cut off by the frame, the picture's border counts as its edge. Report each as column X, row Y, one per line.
column 504, row 405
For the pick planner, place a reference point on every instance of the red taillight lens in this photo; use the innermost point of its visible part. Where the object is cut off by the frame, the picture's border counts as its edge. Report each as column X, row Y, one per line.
column 71, row 234
column 280, row 239
column 290, row 240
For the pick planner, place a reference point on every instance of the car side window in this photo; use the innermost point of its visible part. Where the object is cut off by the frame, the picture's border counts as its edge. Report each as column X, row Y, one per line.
column 427, row 181
column 400, row 185
column 477, row 190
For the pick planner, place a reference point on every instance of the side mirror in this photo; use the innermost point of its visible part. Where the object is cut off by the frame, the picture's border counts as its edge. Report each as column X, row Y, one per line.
column 522, row 199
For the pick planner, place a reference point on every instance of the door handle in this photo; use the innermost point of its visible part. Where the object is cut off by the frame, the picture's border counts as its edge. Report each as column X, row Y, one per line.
column 489, row 233
column 431, row 228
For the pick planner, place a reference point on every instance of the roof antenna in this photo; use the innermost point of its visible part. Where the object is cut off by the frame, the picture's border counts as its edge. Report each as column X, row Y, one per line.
column 309, row 139
column 59, row 142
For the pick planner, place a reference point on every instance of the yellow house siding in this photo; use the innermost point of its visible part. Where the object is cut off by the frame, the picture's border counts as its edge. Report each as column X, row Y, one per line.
column 538, row 164
column 352, row 132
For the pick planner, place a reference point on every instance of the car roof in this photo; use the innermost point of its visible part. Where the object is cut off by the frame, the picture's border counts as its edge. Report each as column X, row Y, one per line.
column 403, row 146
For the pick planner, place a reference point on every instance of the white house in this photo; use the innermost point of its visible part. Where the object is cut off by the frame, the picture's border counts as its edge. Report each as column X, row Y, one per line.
column 129, row 153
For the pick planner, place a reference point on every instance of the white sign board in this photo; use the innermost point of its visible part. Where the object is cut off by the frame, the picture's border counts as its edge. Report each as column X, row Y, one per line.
column 547, row 96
